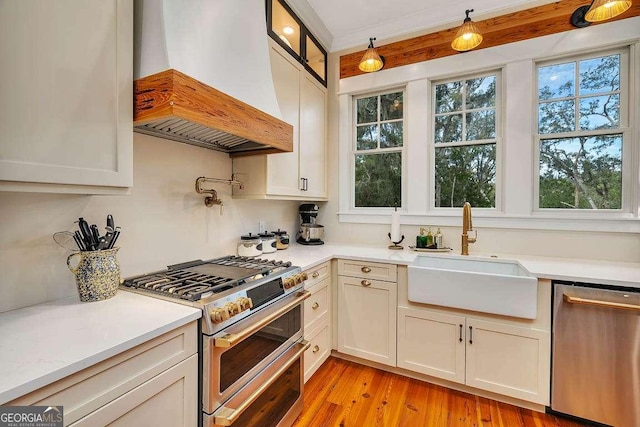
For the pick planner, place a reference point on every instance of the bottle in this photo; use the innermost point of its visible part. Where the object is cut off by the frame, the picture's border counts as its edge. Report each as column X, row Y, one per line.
column 438, row 239
column 429, row 238
column 421, row 240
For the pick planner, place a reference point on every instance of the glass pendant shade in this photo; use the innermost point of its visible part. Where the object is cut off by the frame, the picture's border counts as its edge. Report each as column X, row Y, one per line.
column 467, row 37
column 371, row 61
column 601, row 10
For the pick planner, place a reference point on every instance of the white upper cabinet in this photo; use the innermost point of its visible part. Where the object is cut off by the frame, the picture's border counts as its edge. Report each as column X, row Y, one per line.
column 67, row 78
column 301, row 174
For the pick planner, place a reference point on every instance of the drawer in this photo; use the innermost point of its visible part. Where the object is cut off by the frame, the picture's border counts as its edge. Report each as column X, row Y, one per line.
column 319, row 350
column 317, row 274
column 317, row 305
column 368, row 270
column 94, row 387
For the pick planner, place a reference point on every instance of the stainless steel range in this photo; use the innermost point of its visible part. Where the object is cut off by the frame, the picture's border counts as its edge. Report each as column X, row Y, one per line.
column 252, row 347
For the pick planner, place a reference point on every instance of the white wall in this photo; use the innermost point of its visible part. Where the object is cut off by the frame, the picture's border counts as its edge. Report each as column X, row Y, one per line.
column 164, row 221
column 593, row 244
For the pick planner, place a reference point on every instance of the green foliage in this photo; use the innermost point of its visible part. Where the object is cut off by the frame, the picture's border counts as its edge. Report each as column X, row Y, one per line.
column 378, row 180
column 583, row 172
column 465, row 173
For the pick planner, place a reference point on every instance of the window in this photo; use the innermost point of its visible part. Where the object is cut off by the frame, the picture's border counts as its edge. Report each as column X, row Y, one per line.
column 378, row 148
column 466, row 131
column 581, row 122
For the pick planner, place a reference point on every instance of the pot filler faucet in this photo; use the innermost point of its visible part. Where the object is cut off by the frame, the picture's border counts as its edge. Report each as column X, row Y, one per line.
column 466, row 227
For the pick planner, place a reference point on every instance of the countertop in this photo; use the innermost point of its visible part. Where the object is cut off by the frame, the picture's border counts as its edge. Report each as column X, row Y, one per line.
column 625, row 274
column 44, row 343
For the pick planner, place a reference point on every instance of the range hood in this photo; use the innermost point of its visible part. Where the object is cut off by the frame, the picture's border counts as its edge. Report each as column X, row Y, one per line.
column 203, row 76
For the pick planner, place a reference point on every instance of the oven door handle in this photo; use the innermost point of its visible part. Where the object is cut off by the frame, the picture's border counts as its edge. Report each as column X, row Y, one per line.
column 227, row 416
column 229, row 340
column 600, row 303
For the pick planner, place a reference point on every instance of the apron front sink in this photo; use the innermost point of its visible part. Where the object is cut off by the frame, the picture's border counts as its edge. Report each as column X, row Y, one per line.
column 489, row 286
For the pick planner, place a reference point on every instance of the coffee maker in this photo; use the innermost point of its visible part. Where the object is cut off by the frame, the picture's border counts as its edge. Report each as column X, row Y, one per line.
column 310, row 233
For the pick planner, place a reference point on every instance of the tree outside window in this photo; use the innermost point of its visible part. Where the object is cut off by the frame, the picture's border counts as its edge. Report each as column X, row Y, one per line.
column 465, row 139
column 378, row 150
column 579, row 133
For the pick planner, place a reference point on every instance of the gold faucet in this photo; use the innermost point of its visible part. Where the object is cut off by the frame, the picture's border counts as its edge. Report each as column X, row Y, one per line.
column 466, row 227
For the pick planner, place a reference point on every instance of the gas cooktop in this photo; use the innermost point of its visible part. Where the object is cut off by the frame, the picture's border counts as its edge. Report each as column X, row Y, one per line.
column 195, row 280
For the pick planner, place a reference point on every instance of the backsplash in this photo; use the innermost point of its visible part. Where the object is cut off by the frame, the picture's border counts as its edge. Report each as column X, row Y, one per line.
column 164, row 221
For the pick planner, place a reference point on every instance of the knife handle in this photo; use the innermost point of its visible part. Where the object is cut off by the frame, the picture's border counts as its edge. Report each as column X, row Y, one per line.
column 86, row 234
column 95, row 236
column 110, row 222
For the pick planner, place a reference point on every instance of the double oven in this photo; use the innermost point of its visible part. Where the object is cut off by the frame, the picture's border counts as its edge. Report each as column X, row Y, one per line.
column 252, row 347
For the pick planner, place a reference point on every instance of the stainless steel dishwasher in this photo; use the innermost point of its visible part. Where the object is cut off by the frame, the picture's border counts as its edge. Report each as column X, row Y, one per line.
column 596, row 353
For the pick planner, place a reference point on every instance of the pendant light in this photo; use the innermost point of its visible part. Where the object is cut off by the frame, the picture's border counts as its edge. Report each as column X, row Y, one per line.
column 468, row 35
column 371, row 61
column 597, row 11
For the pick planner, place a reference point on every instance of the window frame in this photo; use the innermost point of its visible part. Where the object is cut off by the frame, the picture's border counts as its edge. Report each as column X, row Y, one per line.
column 499, row 132
column 625, row 129
column 353, row 151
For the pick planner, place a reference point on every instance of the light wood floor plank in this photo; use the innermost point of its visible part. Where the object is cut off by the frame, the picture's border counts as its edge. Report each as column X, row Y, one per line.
column 347, row 394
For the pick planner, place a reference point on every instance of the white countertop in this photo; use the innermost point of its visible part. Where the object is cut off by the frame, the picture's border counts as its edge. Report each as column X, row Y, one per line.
column 44, row 343
column 591, row 271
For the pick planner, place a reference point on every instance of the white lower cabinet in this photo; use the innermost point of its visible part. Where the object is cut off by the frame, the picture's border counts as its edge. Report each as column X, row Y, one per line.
column 317, row 318
column 148, row 404
column 488, row 355
column 367, row 319
column 152, row 384
column 319, row 349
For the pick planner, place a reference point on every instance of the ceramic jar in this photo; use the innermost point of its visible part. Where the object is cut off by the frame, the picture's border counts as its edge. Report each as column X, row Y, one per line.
column 97, row 274
column 249, row 245
column 268, row 242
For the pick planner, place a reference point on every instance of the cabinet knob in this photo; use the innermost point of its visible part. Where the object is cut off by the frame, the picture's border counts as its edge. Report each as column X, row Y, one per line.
column 315, row 305
column 366, row 270
column 316, row 349
column 315, row 274
column 365, row 283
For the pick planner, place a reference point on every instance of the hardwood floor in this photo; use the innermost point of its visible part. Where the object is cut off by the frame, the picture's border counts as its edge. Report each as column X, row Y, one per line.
column 343, row 393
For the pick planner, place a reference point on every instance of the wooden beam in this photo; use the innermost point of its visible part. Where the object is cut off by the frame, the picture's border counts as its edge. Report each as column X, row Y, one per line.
column 517, row 26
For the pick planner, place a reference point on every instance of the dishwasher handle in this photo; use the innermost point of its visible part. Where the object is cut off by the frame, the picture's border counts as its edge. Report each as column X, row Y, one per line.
column 599, row 303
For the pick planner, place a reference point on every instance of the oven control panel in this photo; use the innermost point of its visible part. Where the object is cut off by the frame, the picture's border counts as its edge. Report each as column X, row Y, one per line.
column 222, row 312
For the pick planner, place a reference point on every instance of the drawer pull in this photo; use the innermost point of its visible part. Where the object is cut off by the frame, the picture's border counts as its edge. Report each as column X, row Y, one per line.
column 365, row 283
column 315, row 274
column 366, row 270
column 315, row 305
column 316, row 349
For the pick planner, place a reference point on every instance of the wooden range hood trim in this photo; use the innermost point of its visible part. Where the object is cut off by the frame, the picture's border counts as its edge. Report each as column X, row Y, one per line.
column 513, row 27
column 171, row 95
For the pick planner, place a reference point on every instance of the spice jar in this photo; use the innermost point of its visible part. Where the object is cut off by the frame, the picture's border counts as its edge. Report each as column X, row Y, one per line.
column 249, row 245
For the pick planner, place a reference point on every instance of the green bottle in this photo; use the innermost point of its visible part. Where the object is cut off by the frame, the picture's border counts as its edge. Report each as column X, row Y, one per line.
column 429, row 238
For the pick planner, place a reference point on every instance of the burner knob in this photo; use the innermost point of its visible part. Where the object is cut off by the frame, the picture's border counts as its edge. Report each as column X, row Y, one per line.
column 304, row 276
column 244, row 303
column 298, row 278
column 232, row 308
column 289, row 282
column 219, row 315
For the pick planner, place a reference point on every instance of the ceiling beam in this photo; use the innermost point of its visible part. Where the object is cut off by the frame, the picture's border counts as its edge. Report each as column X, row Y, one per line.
column 513, row 27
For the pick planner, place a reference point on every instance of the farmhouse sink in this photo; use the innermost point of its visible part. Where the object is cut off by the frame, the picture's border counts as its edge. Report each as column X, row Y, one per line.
column 490, row 286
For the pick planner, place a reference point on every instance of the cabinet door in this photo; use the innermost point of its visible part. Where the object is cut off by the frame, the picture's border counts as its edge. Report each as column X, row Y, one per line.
column 367, row 319
column 431, row 343
column 169, row 399
column 282, row 169
column 312, row 137
column 67, row 85
column 508, row 360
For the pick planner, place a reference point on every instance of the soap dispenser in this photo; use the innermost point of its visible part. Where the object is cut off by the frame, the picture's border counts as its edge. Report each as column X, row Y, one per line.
column 429, row 238
column 438, row 239
column 421, row 239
